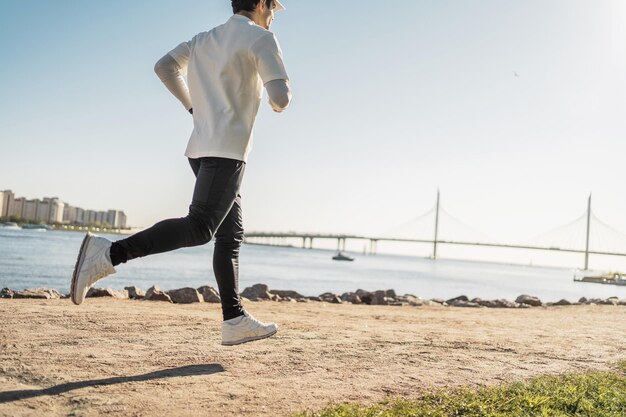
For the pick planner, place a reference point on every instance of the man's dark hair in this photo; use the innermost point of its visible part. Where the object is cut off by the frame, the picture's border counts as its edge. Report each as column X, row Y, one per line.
column 248, row 5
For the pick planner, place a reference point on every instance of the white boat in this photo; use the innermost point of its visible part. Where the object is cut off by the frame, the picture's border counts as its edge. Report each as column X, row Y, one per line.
column 36, row 227
column 10, row 225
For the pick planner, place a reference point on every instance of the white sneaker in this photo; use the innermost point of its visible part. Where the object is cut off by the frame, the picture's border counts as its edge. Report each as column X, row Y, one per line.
column 93, row 264
column 245, row 329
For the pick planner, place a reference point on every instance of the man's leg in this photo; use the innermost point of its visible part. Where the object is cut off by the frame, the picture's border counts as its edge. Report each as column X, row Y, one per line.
column 228, row 240
column 217, row 185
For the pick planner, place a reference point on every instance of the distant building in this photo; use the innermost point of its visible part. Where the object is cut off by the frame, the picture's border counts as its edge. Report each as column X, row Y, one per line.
column 29, row 213
column 66, row 214
column 90, row 217
column 80, row 216
column 49, row 210
column 123, row 220
column 6, row 202
column 42, row 211
column 52, row 210
column 72, row 215
column 18, row 208
column 55, row 212
column 116, row 218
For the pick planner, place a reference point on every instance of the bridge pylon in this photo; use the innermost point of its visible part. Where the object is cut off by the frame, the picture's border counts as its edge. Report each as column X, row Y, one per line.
column 436, row 225
column 588, row 233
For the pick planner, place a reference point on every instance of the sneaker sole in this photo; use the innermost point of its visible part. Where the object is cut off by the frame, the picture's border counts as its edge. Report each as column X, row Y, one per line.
column 79, row 264
column 249, row 339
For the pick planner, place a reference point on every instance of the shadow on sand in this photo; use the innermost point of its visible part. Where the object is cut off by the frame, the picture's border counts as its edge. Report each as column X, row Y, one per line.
column 192, row 370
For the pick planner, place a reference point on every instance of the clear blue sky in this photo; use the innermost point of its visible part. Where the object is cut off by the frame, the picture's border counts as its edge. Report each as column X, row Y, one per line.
column 391, row 100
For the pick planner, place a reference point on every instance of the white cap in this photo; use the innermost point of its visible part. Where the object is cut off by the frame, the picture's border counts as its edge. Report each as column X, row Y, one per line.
column 279, row 6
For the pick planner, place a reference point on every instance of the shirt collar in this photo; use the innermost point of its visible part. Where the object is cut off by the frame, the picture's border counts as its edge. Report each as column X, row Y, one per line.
column 241, row 18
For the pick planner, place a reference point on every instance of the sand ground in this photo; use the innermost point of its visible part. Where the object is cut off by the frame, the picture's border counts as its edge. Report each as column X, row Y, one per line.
column 134, row 358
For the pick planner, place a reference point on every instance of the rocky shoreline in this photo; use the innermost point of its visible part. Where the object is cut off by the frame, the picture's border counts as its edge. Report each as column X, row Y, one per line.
column 261, row 292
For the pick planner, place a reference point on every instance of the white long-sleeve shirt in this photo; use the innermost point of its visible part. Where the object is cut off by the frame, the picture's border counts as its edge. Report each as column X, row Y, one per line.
column 171, row 74
column 226, row 70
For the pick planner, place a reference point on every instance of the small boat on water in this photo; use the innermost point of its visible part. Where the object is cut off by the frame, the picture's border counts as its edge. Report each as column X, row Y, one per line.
column 36, row 227
column 10, row 225
column 614, row 279
column 341, row 257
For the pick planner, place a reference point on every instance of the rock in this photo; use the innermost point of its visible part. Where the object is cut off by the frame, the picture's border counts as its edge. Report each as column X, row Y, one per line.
column 347, row 296
column 438, row 301
column 365, row 296
column 287, row 294
column 336, row 300
column 583, row 300
column 351, row 297
column 303, row 300
column 486, row 303
column 609, row 302
column 155, row 294
column 500, row 303
column 329, row 297
column 257, row 292
column 383, row 298
column 6, row 293
column 379, row 298
column 462, row 303
column 410, row 300
column 106, row 292
column 562, row 302
column 135, row 293
column 622, row 302
column 390, row 294
column 210, row 294
column 185, row 296
column 318, row 299
column 460, row 298
column 38, row 293
column 529, row 299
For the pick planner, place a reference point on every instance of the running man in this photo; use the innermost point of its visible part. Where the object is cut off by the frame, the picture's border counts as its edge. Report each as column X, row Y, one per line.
column 226, row 70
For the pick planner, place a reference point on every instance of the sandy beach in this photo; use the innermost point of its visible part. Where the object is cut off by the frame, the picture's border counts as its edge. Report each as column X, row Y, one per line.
column 132, row 358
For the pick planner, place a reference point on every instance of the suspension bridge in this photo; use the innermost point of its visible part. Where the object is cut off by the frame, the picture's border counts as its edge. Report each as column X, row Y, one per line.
column 586, row 235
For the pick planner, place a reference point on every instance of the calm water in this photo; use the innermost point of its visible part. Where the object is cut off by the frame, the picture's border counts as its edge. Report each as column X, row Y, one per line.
column 46, row 259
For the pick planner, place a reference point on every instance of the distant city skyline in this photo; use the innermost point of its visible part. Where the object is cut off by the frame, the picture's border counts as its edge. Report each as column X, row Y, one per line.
column 514, row 109
column 52, row 210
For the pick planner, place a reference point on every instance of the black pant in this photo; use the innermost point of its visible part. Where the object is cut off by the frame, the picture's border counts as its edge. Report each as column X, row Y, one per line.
column 215, row 211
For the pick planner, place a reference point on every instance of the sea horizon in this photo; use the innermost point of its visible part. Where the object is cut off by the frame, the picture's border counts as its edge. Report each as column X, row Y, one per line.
column 46, row 259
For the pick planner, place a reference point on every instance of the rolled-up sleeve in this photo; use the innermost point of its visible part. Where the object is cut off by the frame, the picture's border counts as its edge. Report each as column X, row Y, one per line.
column 181, row 54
